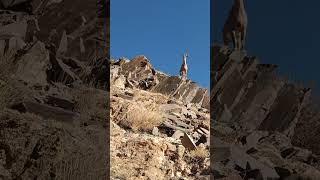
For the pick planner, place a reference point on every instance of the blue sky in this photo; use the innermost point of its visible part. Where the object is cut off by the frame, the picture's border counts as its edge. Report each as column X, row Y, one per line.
column 283, row 32
column 163, row 30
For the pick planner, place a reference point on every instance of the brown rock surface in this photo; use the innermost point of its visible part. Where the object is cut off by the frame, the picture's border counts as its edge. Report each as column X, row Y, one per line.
column 149, row 103
column 258, row 120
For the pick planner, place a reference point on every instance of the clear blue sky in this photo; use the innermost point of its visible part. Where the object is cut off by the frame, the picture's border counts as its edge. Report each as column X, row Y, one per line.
column 283, row 32
column 163, row 30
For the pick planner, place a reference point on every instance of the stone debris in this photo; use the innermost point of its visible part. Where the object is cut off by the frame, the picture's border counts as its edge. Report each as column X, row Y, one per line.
column 256, row 114
column 54, row 102
column 137, row 87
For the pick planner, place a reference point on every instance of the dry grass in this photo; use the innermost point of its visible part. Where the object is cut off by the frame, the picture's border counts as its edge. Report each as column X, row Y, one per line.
column 199, row 155
column 142, row 119
column 145, row 96
column 90, row 166
column 92, row 103
column 11, row 92
column 7, row 65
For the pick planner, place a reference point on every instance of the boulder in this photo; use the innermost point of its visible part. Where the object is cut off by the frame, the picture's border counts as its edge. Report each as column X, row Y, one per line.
column 33, row 66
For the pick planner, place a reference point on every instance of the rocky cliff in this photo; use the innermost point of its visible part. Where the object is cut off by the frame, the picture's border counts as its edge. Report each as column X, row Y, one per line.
column 256, row 116
column 54, row 92
column 160, row 124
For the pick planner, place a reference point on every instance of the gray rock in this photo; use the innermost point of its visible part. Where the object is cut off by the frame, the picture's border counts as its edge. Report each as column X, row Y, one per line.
column 33, row 65
column 155, row 131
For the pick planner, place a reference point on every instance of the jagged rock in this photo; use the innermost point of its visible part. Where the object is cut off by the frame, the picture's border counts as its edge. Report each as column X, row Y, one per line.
column 168, row 86
column 60, row 72
column 177, row 134
column 170, row 125
column 173, row 117
column 47, row 112
column 183, row 125
column 255, row 113
column 63, row 46
column 98, row 73
column 59, row 102
column 114, row 72
column 170, row 108
column 120, row 82
column 125, row 96
column 290, row 99
column 171, row 148
column 188, row 143
column 33, row 65
column 253, row 139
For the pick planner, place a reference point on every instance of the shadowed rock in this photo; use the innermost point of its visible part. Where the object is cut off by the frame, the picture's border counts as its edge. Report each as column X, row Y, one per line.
column 33, row 65
column 45, row 111
column 188, row 143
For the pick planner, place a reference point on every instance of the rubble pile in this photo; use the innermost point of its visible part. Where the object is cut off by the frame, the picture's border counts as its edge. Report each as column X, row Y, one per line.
column 160, row 124
column 255, row 118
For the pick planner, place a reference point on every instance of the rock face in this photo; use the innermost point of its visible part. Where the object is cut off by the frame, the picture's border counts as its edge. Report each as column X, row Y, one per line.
column 54, row 103
column 140, row 73
column 255, row 118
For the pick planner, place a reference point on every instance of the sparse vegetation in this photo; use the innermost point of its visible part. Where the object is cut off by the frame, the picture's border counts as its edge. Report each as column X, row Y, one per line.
column 142, row 119
column 92, row 103
column 199, row 155
column 11, row 93
column 89, row 166
column 7, row 65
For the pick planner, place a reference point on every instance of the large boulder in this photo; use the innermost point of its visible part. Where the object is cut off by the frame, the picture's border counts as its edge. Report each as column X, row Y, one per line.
column 33, row 65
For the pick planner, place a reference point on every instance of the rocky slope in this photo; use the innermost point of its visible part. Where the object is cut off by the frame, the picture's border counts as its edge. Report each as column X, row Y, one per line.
column 54, row 93
column 258, row 121
column 159, row 124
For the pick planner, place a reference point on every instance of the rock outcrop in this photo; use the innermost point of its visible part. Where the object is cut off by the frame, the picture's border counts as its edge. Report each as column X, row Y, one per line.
column 161, row 124
column 254, row 120
column 54, row 91
column 140, row 73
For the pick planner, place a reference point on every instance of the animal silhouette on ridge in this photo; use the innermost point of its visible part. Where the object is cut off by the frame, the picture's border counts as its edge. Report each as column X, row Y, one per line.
column 235, row 27
column 184, row 67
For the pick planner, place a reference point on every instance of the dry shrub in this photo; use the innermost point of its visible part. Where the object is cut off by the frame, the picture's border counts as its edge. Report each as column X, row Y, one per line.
column 199, row 154
column 91, row 166
column 7, row 65
column 145, row 96
column 142, row 119
column 92, row 103
column 11, row 93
